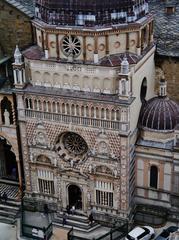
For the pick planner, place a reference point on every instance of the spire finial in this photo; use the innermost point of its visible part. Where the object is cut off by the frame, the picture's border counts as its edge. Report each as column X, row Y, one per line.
column 163, row 87
column 125, row 65
column 17, row 56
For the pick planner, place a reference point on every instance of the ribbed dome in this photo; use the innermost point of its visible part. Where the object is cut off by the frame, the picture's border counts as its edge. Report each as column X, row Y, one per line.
column 90, row 12
column 159, row 113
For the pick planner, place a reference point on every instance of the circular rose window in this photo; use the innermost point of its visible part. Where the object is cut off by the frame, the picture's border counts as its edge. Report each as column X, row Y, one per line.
column 71, row 45
column 74, row 143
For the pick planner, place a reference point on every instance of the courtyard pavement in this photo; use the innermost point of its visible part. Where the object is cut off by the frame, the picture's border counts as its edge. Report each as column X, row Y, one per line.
column 7, row 232
column 11, row 232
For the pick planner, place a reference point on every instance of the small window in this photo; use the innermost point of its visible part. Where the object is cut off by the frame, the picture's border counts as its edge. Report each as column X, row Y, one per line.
column 143, row 90
column 170, row 10
column 153, row 177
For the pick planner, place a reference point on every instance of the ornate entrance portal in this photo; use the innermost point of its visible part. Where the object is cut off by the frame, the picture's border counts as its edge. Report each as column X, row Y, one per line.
column 8, row 164
column 75, row 196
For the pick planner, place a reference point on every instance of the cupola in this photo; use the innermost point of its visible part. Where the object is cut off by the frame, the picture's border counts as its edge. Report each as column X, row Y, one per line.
column 159, row 113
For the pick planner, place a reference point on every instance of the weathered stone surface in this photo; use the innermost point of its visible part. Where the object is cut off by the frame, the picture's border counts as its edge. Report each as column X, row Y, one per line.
column 15, row 27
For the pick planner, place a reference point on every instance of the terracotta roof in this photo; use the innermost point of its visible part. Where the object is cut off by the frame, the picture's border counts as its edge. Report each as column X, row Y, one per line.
column 33, row 53
column 36, row 53
column 159, row 113
column 25, row 6
column 116, row 59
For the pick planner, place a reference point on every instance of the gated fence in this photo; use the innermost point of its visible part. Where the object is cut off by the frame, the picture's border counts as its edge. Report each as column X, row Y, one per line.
column 114, row 234
column 34, row 231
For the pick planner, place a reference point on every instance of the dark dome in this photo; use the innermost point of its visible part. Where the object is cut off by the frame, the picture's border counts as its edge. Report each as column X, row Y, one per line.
column 90, row 12
column 159, row 113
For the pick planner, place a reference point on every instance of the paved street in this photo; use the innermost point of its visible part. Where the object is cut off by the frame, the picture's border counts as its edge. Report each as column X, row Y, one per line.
column 59, row 234
column 7, row 232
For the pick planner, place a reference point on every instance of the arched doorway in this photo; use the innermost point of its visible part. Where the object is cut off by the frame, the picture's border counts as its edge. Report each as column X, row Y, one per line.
column 75, row 196
column 8, row 164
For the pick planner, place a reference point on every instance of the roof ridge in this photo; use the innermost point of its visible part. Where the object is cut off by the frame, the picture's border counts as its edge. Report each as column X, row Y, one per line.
column 21, row 7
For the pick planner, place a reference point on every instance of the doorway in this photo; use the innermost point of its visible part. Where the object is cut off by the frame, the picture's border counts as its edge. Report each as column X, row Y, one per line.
column 75, row 196
column 8, row 164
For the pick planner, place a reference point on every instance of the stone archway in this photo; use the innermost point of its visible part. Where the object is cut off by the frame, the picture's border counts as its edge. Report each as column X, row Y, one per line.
column 75, row 196
column 8, row 163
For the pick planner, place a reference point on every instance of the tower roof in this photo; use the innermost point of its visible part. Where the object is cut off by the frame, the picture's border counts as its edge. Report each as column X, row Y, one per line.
column 90, row 12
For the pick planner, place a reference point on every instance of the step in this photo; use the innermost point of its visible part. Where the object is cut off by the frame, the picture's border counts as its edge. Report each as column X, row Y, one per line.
column 11, row 203
column 7, row 220
column 9, row 214
column 9, row 182
column 83, row 219
column 8, row 207
column 76, row 228
column 75, row 222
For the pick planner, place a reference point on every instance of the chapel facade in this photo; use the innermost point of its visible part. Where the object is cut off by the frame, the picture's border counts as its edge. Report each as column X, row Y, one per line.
column 79, row 92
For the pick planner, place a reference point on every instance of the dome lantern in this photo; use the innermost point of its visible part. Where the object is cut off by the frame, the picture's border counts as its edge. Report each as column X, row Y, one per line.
column 90, row 12
column 124, row 66
column 163, row 88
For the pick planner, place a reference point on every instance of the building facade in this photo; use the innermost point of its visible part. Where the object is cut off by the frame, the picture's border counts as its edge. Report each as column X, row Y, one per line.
column 166, row 15
column 82, row 119
column 79, row 101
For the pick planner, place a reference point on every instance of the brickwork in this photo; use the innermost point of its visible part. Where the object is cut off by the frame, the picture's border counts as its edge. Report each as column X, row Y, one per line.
column 15, row 28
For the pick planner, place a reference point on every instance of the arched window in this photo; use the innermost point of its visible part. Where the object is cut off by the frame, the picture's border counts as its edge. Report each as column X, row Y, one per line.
column 153, row 177
column 143, row 90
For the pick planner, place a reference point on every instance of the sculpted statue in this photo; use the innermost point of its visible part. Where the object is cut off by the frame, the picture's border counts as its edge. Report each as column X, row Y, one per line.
column 6, row 117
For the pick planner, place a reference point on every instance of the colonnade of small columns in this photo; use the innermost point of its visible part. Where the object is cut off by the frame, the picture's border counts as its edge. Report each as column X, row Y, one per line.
column 77, row 109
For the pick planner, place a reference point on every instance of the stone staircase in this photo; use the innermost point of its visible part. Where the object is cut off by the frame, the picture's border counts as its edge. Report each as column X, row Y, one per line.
column 78, row 222
column 9, row 210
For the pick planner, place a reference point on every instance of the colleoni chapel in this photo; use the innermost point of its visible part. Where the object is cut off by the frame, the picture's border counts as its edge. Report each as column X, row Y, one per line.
column 93, row 133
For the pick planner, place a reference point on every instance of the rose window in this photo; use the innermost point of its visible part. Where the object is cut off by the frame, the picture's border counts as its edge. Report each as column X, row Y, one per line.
column 71, row 46
column 74, row 143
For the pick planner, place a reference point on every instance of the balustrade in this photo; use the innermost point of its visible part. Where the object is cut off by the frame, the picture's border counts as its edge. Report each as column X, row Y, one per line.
column 86, row 121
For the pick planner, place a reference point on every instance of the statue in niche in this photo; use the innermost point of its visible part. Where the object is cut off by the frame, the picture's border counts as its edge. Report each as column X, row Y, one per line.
column 41, row 138
column 62, row 166
column 72, row 163
column 6, row 118
column 81, row 170
column 103, row 148
column 115, row 172
column 89, row 197
column 90, row 168
column 55, row 161
column 31, row 157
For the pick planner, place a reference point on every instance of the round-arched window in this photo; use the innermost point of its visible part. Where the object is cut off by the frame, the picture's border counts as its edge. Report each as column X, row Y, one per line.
column 74, row 143
column 143, row 90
